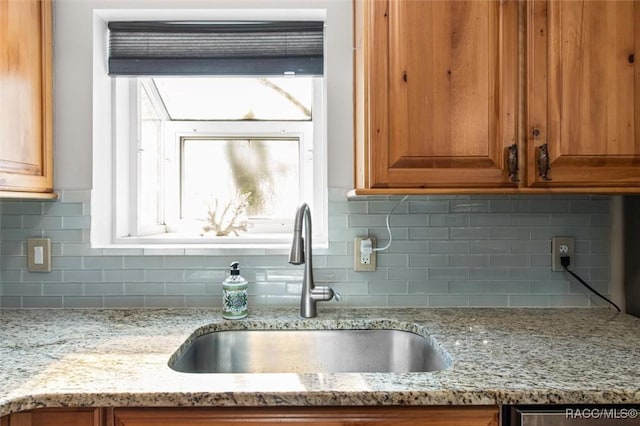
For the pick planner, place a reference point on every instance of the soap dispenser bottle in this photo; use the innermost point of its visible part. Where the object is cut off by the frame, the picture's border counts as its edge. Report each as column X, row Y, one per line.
column 234, row 294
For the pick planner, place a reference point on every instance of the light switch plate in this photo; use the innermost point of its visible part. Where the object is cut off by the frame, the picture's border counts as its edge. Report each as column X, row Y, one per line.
column 34, row 245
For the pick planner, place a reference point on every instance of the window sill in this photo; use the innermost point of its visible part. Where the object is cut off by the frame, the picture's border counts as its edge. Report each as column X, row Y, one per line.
column 183, row 244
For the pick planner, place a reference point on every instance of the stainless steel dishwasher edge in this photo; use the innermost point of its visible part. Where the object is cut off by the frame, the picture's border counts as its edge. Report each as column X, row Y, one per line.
column 575, row 415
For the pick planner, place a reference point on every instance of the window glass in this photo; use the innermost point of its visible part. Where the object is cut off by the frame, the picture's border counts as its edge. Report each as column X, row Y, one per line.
column 226, row 98
column 150, row 162
column 217, row 173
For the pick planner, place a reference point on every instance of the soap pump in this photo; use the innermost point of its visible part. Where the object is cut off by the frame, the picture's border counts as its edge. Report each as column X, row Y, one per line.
column 234, row 294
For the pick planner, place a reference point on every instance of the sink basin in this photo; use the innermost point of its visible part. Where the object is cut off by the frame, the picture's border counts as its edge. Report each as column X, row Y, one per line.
column 309, row 351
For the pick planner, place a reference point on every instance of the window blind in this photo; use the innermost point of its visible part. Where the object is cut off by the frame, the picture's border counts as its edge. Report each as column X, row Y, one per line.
column 233, row 48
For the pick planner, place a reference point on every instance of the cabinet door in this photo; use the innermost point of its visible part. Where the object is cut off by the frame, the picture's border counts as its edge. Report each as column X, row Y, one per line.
column 55, row 417
column 441, row 92
column 583, row 93
column 318, row 416
column 25, row 95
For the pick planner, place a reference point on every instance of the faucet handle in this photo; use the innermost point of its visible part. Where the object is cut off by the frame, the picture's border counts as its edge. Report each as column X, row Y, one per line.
column 337, row 296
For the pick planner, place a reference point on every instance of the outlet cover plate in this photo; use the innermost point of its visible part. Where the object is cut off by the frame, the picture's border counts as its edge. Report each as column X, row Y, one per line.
column 561, row 246
column 358, row 266
column 45, row 245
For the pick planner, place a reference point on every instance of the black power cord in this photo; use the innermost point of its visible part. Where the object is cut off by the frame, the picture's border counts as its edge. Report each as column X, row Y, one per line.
column 565, row 261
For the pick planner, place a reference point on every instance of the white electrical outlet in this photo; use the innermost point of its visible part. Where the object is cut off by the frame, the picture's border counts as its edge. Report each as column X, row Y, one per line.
column 560, row 247
column 364, row 257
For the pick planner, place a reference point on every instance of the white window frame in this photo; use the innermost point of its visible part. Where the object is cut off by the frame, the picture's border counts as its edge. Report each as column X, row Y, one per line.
column 114, row 200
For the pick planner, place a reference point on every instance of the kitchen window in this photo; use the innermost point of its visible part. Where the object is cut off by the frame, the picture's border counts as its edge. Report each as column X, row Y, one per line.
column 214, row 159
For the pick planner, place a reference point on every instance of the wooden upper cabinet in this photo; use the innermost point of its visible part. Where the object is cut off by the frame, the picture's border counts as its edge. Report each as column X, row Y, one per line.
column 25, row 96
column 438, row 93
column 583, row 91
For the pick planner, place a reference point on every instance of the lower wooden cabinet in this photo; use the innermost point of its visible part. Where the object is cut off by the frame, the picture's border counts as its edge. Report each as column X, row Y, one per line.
column 55, row 417
column 319, row 416
column 258, row 416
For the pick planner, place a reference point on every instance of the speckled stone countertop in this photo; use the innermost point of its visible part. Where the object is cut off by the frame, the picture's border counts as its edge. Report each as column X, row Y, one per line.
column 106, row 358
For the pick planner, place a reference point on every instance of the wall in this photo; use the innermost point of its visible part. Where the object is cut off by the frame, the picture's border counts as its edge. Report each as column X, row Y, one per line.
column 447, row 251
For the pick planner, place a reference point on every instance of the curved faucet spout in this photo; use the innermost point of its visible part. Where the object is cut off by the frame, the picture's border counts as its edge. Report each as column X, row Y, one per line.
column 301, row 252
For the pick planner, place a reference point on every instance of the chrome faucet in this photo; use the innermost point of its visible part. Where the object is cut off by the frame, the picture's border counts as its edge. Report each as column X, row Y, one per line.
column 301, row 253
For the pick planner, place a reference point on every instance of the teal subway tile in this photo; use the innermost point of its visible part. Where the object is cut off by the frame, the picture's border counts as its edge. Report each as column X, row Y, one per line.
column 123, row 275
column 428, row 233
column 530, row 247
column 511, row 260
column 103, row 289
column 79, row 249
column 448, row 247
column 144, row 289
column 428, row 260
column 488, row 301
column 10, row 221
column 123, row 251
column 570, row 220
column 62, row 209
column 489, row 219
column 79, row 222
column 549, row 287
column 9, row 275
column 62, row 289
column 409, row 220
column 103, row 262
column 41, row 222
column 42, row 302
column 146, row 262
column 530, row 220
column 551, row 206
column 600, row 274
column 465, row 287
column 66, row 262
column 53, row 276
column 501, row 206
column 386, row 207
column 510, row 287
column 408, row 300
column 448, row 273
column 470, row 233
column 452, row 300
column 529, row 274
column 266, row 261
column 64, row 235
column 568, row 300
column 82, row 302
column 204, row 301
column 389, row 259
column 428, row 287
column 268, row 288
column 448, row 220
column 20, row 208
column 429, row 206
column 590, row 206
column 541, row 261
column 470, row 261
column 20, row 234
column 488, row 273
column 208, row 275
column 173, row 275
column 21, row 289
column 488, row 246
column 124, row 301
column 13, row 262
column 378, row 274
column 469, row 206
column 600, row 220
column 414, row 274
column 75, row 196
column 367, row 220
column 339, row 261
column 11, row 302
column 366, row 301
column 410, row 247
column 531, row 301
column 12, row 248
column 71, row 275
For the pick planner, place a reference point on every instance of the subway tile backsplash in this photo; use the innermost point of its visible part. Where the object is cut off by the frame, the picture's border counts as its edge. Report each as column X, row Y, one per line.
column 446, row 251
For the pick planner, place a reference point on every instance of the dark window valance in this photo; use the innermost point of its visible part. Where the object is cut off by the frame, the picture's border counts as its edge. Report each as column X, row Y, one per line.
column 251, row 48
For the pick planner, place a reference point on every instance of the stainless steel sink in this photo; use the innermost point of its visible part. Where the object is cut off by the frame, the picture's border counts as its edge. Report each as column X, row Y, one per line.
column 309, row 351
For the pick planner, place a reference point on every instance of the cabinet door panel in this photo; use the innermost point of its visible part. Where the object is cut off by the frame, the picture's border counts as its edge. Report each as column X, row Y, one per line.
column 321, row 416
column 25, row 95
column 449, row 108
column 584, row 92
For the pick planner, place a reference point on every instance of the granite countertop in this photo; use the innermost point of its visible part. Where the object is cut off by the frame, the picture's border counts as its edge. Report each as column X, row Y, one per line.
column 106, row 358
